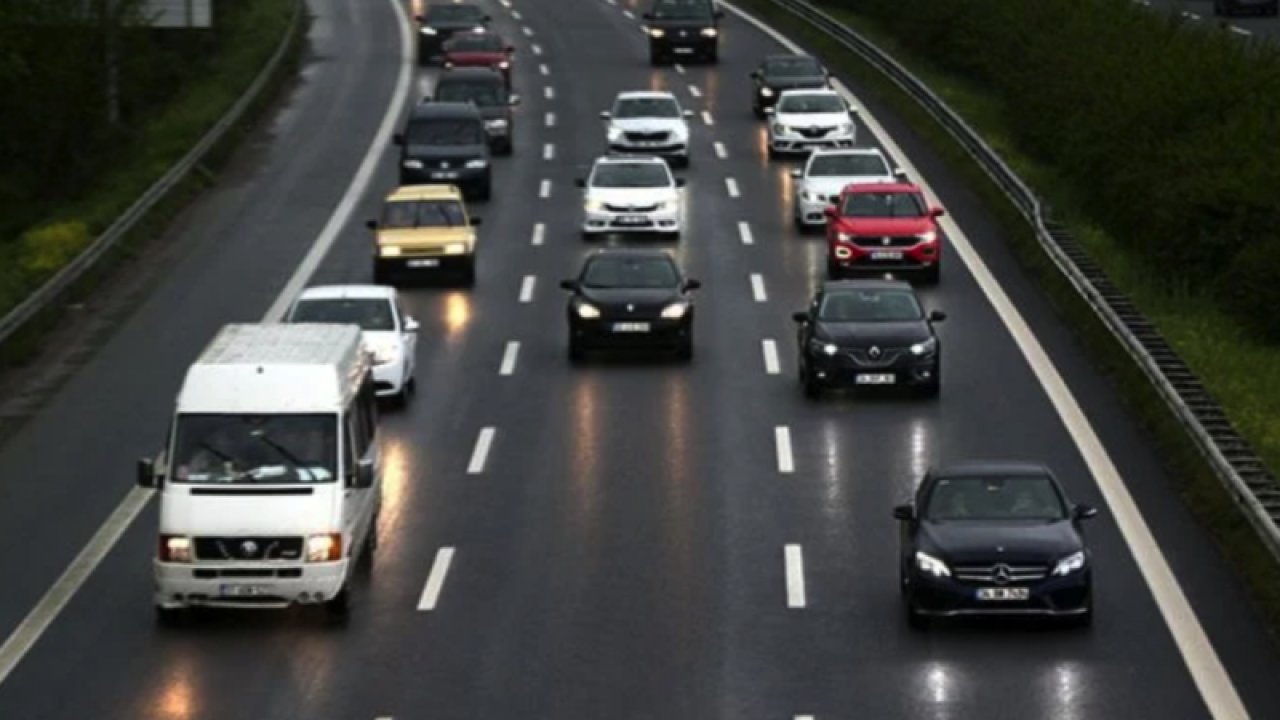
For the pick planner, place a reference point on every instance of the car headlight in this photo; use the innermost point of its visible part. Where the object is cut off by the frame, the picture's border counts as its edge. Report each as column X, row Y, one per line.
column 412, row 164
column 810, row 196
column 675, row 310
column 587, row 311
column 766, row 92
column 1069, row 564
column 496, row 124
column 927, row 563
column 594, row 205
column 384, row 356
column 455, row 249
column 928, row 347
column 389, row 251
column 504, row 65
column 324, row 548
column 844, row 128
column 844, row 237
column 175, row 548
column 615, row 134
column 710, row 32
column 780, row 129
column 657, row 32
column 824, row 347
column 479, row 29
column 477, row 164
column 927, row 237
column 665, row 206
column 427, row 30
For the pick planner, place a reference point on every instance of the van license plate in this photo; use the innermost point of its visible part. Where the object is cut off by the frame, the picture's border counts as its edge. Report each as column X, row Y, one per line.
column 886, row 255
column 875, row 379
column 424, row 263
column 243, row 590
column 1002, row 593
column 444, row 176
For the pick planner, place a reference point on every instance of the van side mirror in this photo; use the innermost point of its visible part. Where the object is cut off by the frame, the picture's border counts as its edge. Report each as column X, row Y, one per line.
column 906, row 513
column 801, row 317
column 147, row 477
column 476, row 221
column 570, row 285
column 937, row 316
column 363, row 476
column 410, row 325
column 1084, row 512
column 647, row 16
column 398, row 139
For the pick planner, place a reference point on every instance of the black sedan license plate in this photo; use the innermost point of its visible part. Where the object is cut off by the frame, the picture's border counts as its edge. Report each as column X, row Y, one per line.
column 875, row 378
column 444, row 175
column 1002, row 594
column 631, row 327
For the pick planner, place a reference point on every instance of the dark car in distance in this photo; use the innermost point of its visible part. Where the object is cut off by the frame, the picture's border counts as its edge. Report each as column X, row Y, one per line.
column 487, row 90
column 440, row 22
column 480, row 49
column 683, row 29
column 446, row 143
column 632, row 298
column 1253, row 7
column 784, row 72
column 868, row 333
column 994, row 538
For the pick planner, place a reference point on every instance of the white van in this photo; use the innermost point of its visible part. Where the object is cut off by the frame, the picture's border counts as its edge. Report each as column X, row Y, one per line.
column 270, row 479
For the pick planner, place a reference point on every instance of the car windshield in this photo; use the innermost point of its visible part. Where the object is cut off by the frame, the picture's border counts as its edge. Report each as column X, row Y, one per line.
column 681, row 9
column 255, row 449
column 403, row 214
column 476, row 42
column 811, row 103
column 454, row 14
column 372, row 314
column 870, row 306
column 630, row 175
column 483, row 94
column 630, row 272
column 446, row 131
column 995, row 497
column 848, row 165
column 792, row 67
column 649, row 107
column 883, row 204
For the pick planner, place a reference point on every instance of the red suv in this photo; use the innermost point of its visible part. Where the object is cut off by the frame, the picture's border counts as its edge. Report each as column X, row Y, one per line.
column 883, row 228
column 479, row 49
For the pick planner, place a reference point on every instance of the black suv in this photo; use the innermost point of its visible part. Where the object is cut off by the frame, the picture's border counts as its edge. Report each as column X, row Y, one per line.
column 784, row 72
column 683, row 28
column 440, row 22
column 445, row 143
column 487, row 90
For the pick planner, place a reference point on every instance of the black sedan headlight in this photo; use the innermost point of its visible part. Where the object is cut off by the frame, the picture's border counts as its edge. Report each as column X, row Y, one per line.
column 822, row 347
column 925, row 348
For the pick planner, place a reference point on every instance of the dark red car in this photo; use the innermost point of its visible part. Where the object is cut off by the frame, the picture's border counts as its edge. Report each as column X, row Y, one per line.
column 479, row 49
column 883, row 228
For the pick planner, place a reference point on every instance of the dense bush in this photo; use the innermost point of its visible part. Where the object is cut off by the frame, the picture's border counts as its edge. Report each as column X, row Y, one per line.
column 1166, row 129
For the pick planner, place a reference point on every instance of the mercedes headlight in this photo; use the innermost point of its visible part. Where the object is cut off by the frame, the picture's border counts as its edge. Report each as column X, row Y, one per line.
column 657, row 32
column 1069, row 564
column 496, row 124
column 477, row 163
column 390, row 251
column 928, row 347
column 455, row 249
column 675, row 310
column 587, row 311
column 766, row 92
column 710, row 32
column 927, row 563
column 412, row 164
column 427, row 30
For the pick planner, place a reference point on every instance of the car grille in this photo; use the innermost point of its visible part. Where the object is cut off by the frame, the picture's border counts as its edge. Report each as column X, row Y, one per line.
column 886, row 357
column 646, row 136
column 630, row 208
column 248, row 548
column 882, row 241
column 1008, row 574
column 814, row 132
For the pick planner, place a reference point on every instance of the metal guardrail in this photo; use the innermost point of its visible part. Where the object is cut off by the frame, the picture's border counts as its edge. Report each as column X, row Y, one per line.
column 1232, row 459
column 56, row 287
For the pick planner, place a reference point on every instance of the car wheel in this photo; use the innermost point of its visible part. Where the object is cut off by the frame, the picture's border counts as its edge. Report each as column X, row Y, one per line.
column 773, row 154
column 713, row 57
column 655, row 59
column 673, row 236
column 380, row 276
column 800, row 226
column 484, row 191
column 758, row 111
column 338, row 609
column 507, row 148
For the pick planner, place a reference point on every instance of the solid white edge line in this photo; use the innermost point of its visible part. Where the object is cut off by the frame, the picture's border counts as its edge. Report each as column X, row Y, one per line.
column 55, row 599
column 804, row 717
column 744, row 232
column 782, row 443
column 1240, row 31
column 1211, row 678
column 731, row 186
column 548, row 151
column 539, row 233
column 510, row 356
column 770, row 349
column 706, row 117
column 544, row 189
column 527, row 287
column 480, row 455
column 794, row 560
column 721, row 151
column 435, row 580
column 757, row 288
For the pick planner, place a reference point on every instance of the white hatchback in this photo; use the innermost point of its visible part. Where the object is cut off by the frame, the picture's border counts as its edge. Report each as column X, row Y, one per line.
column 389, row 334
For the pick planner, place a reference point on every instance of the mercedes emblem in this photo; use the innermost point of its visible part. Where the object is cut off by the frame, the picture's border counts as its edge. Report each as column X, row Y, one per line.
column 248, row 548
column 444, row 163
column 1001, row 574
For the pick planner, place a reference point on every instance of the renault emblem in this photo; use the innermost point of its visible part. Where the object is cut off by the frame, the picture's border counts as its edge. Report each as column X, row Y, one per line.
column 248, row 548
column 1001, row 574
column 874, row 352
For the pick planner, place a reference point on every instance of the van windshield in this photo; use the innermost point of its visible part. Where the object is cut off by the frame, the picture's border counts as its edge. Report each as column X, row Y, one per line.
column 216, row 449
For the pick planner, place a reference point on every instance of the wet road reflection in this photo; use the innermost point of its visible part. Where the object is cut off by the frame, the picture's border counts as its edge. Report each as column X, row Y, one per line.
column 457, row 315
column 177, row 695
column 585, row 449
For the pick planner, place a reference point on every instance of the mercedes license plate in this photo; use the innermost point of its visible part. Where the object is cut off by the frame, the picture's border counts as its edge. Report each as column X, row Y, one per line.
column 243, row 590
column 875, row 378
column 423, row 263
column 444, row 175
column 631, row 327
column 1001, row 594
column 632, row 220
column 886, row 255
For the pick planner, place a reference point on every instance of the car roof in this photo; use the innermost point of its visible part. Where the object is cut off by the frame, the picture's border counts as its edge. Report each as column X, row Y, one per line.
column 882, row 187
column 866, row 284
column 469, row 74
column 968, row 468
column 629, row 159
column 808, row 91
column 649, row 94
column 425, row 192
column 433, row 109
column 348, row 292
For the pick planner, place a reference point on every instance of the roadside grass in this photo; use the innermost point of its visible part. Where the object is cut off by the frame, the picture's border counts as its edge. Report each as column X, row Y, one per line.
column 1243, row 374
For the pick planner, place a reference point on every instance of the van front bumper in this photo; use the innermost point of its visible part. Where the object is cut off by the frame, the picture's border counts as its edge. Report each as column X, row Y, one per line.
column 247, row 585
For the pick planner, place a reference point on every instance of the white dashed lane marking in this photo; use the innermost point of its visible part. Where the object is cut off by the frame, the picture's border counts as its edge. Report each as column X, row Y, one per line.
column 528, row 31
column 731, row 185
column 694, row 91
column 435, row 580
column 509, row 358
column 679, row 68
column 542, row 68
column 526, row 288
column 544, row 189
column 794, row 560
column 539, row 233
column 480, row 455
column 706, row 118
column 744, row 232
column 782, row 442
column 757, row 287
column 549, row 92
column 537, row 49
column 721, row 151
column 551, row 119
column 548, row 152
column 770, row 349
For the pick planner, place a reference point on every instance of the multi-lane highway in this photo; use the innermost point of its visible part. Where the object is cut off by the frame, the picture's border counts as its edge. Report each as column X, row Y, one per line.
column 624, row 539
column 1243, row 25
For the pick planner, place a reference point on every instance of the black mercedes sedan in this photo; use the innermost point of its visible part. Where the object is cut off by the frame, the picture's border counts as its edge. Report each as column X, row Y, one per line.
column 630, row 298
column 863, row 333
column 784, row 72
column 994, row 538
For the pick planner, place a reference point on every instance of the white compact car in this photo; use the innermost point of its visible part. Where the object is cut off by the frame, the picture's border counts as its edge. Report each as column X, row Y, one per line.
column 827, row 172
column 805, row 120
column 631, row 194
column 389, row 334
column 649, row 123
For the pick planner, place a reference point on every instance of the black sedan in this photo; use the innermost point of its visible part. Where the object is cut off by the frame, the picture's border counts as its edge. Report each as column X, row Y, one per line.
column 628, row 299
column 440, row 23
column 994, row 538
column 865, row 333
column 784, row 72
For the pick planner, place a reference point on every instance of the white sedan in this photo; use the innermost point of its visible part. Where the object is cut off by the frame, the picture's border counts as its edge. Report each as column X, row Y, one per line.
column 827, row 172
column 806, row 120
column 631, row 194
column 389, row 334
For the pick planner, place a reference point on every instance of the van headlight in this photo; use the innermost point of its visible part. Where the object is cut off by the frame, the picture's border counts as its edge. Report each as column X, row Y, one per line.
column 587, row 311
column 927, row 563
column 412, row 164
column 477, row 164
column 175, row 549
column 1069, row 564
column 928, row 347
column 455, row 249
column 324, row 548
column 675, row 310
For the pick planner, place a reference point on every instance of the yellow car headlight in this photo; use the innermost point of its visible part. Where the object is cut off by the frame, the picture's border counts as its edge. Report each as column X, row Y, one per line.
column 389, row 251
column 455, row 249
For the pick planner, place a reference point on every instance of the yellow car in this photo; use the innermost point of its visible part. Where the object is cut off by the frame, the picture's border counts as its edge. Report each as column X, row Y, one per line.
column 424, row 228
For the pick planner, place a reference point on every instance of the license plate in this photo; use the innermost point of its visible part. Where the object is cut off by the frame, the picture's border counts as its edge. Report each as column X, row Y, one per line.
column 631, row 327
column 423, row 263
column 684, row 51
column 1002, row 594
column 886, row 255
column 875, row 379
column 444, row 176
column 243, row 590
column 632, row 220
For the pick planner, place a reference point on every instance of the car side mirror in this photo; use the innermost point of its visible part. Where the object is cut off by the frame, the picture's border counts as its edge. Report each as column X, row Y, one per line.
column 570, row 285
column 513, row 100
column 906, row 513
column 1084, row 512
column 410, row 325
column 797, row 173
column 647, row 16
column 448, row 65
column 801, row 317
column 580, row 182
column 937, row 316
column 755, row 75
column 692, row 284
column 363, row 476
column 769, row 111
column 853, row 110
column 936, row 212
column 688, row 113
column 147, row 477
column 398, row 138
column 371, row 224
column 829, row 211
column 605, row 115
column 899, row 172
column 488, row 18
column 680, row 182
column 476, row 221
